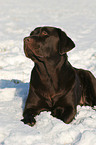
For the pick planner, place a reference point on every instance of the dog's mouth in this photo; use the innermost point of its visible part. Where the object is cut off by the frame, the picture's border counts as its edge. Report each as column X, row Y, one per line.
column 31, row 53
column 31, row 48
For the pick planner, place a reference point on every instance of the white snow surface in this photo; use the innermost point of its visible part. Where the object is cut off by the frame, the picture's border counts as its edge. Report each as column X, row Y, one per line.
column 17, row 19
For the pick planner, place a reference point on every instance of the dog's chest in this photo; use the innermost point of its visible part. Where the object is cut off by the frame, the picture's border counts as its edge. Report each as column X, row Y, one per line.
column 50, row 84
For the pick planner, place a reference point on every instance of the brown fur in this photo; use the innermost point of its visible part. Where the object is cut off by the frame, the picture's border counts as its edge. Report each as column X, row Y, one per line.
column 55, row 85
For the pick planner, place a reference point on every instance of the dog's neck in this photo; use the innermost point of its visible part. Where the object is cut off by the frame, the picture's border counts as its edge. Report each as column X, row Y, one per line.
column 48, row 70
column 51, row 64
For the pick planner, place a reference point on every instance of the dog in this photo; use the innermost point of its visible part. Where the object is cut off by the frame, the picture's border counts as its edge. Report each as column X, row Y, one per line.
column 55, row 85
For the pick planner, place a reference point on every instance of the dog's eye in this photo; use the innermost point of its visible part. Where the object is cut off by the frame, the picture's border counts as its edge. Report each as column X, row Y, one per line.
column 44, row 33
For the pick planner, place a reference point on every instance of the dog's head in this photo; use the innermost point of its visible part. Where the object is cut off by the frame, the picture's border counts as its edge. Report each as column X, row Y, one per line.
column 47, row 42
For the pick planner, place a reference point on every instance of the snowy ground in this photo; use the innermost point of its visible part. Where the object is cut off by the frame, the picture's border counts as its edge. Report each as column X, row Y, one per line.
column 17, row 19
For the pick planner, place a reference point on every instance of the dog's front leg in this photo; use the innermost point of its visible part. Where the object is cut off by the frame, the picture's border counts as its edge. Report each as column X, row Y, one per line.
column 34, row 105
column 31, row 107
column 66, row 114
column 29, row 117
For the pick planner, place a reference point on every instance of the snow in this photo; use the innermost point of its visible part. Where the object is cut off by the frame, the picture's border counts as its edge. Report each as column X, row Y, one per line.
column 17, row 19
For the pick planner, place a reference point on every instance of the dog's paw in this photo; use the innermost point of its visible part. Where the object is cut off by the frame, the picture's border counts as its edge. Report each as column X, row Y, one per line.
column 29, row 120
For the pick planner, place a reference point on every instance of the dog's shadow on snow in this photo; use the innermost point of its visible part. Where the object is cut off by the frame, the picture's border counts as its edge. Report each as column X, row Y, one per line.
column 21, row 88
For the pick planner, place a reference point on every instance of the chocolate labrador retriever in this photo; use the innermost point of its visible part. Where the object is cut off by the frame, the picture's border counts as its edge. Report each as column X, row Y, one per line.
column 55, row 85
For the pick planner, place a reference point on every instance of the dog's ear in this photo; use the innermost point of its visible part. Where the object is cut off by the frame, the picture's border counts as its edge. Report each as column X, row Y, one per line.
column 65, row 43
